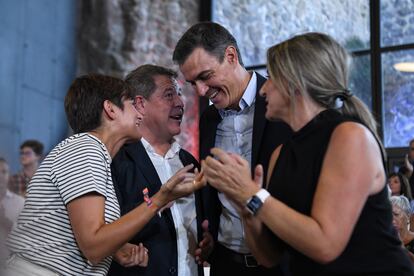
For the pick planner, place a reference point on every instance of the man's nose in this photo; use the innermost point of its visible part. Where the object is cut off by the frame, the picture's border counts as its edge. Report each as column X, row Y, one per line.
column 201, row 88
column 178, row 101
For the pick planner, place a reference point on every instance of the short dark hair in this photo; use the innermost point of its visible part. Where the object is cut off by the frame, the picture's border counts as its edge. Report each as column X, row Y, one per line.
column 35, row 145
column 85, row 98
column 210, row 36
column 141, row 80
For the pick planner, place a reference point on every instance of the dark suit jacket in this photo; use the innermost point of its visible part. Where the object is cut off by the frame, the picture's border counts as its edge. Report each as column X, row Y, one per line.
column 266, row 137
column 132, row 171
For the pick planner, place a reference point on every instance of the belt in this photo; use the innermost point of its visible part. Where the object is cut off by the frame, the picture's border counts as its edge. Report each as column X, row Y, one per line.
column 247, row 260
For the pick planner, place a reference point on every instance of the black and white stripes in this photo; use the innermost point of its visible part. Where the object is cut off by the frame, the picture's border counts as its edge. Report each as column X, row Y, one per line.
column 43, row 235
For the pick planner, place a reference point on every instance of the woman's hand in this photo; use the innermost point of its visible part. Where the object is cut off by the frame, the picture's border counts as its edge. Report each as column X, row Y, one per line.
column 132, row 255
column 181, row 184
column 229, row 173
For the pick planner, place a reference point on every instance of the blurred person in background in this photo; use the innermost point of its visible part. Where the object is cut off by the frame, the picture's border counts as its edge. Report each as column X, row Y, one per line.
column 407, row 168
column 31, row 153
column 401, row 212
column 399, row 185
column 10, row 206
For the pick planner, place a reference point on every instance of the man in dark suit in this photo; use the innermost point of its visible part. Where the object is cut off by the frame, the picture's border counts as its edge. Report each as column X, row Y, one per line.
column 170, row 237
column 210, row 60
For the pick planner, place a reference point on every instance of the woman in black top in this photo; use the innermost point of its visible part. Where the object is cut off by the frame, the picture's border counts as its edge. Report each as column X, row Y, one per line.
column 328, row 205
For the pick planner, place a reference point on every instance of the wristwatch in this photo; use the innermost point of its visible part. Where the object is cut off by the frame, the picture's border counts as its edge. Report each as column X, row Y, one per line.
column 254, row 204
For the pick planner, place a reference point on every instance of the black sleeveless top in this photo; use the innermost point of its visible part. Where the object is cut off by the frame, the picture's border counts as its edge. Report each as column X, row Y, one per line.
column 374, row 247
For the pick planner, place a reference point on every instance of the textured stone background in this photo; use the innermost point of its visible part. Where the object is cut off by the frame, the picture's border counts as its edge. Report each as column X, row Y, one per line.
column 116, row 36
column 268, row 22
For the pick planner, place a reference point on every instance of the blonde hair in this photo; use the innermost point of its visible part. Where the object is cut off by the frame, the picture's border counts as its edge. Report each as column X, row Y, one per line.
column 317, row 66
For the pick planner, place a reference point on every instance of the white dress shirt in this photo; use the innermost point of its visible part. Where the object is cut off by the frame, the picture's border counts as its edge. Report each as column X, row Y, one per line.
column 183, row 210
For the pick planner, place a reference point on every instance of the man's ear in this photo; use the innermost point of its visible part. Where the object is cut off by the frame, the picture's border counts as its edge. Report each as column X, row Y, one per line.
column 230, row 54
column 140, row 103
column 108, row 108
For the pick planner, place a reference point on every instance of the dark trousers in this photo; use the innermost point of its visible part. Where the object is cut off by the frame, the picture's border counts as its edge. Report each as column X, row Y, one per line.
column 226, row 262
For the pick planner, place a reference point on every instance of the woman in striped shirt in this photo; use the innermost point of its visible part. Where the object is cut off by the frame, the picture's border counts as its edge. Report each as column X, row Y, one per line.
column 71, row 222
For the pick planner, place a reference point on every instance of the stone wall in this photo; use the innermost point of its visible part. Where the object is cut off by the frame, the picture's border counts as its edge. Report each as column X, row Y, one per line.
column 258, row 24
column 116, row 36
column 397, row 22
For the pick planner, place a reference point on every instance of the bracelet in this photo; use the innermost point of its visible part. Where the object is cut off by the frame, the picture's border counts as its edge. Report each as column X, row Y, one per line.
column 147, row 199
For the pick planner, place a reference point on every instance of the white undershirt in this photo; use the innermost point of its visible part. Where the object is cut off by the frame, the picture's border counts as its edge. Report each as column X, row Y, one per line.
column 183, row 210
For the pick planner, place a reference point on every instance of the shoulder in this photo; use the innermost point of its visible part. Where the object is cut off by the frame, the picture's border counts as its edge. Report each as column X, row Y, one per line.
column 127, row 150
column 127, row 158
column 352, row 131
column 354, row 141
column 16, row 176
column 79, row 144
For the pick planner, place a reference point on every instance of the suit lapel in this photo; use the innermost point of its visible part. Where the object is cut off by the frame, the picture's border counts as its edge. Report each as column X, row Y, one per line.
column 259, row 121
column 208, row 136
column 144, row 164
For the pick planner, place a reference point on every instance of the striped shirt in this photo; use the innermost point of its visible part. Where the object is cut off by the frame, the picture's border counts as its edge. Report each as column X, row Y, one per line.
column 43, row 234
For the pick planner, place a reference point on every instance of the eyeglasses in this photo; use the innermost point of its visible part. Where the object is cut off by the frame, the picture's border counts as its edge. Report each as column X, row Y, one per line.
column 26, row 152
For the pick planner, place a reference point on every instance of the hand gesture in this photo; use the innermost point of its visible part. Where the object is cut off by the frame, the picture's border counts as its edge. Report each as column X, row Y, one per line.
column 132, row 255
column 182, row 183
column 205, row 246
column 230, row 174
column 258, row 180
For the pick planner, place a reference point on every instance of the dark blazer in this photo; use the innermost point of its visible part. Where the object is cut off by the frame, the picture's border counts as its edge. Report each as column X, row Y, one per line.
column 266, row 137
column 132, row 171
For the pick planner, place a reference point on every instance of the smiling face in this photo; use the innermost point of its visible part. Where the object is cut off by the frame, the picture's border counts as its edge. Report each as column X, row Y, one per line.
column 130, row 118
column 164, row 109
column 214, row 80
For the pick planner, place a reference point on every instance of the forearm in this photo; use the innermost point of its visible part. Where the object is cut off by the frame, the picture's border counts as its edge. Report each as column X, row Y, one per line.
column 301, row 232
column 260, row 243
column 108, row 238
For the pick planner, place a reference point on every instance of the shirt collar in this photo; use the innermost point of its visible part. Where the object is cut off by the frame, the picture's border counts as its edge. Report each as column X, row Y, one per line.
column 174, row 149
column 248, row 97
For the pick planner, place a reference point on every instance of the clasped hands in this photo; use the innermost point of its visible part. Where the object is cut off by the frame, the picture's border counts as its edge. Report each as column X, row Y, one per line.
column 230, row 174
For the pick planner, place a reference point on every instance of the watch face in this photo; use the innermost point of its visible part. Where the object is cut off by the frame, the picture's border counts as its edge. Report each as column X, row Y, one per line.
column 254, row 205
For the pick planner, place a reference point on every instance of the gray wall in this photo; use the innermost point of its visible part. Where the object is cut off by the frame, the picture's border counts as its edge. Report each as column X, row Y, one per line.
column 37, row 53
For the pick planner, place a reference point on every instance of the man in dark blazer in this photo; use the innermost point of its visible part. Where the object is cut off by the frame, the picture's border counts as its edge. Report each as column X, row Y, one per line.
column 171, row 236
column 210, row 60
